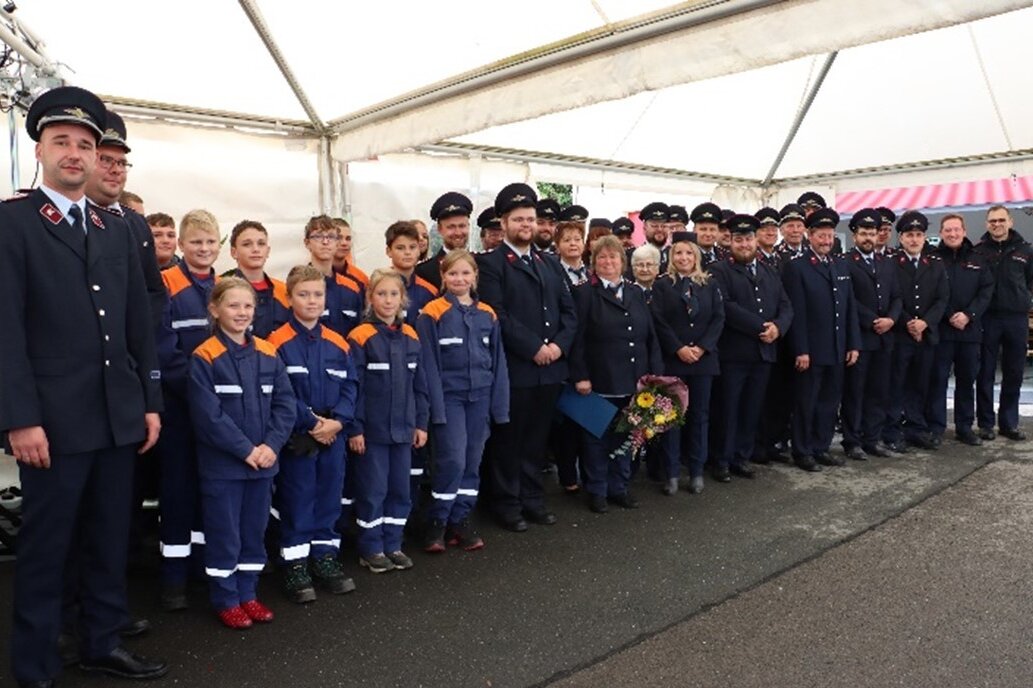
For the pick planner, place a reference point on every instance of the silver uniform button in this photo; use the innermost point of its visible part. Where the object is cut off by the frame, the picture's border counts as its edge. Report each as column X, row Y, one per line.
column 107, row 363
column 101, row 312
column 96, row 287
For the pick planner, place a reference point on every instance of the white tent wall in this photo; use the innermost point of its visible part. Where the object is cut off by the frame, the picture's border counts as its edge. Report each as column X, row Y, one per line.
column 236, row 176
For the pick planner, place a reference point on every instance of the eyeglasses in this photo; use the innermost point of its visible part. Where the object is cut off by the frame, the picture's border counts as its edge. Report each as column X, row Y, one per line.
column 644, row 265
column 997, row 221
column 324, row 238
column 108, row 161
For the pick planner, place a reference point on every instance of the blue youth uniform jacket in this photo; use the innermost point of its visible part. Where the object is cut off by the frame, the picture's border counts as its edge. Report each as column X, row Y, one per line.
column 462, row 349
column 420, row 292
column 272, row 307
column 184, row 324
column 345, row 301
column 240, row 397
column 322, row 373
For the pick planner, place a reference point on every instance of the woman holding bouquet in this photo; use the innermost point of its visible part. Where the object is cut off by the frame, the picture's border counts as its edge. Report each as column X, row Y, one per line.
column 615, row 345
column 688, row 315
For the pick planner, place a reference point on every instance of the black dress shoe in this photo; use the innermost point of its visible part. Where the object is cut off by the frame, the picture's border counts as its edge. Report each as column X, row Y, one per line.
column 826, row 459
column 541, row 518
column 515, row 524
column 968, row 437
column 624, row 500
column 1013, row 434
column 986, row 434
column 922, row 442
column 936, row 441
column 855, row 454
column 875, row 450
column 721, row 475
column 125, row 664
column 807, row 463
column 742, row 470
column 897, row 447
column 135, row 628
column 597, row 503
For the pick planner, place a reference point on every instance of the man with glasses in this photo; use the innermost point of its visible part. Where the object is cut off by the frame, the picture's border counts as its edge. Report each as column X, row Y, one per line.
column 1005, row 325
column 345, row 298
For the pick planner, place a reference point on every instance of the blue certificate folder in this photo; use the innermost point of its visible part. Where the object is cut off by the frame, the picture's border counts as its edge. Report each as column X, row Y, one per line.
column 590, row 411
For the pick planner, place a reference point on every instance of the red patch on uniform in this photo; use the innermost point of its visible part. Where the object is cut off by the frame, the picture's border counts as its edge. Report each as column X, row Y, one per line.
column 51, row 213
column 814, row 261
column 510, row 257
column 95, row 218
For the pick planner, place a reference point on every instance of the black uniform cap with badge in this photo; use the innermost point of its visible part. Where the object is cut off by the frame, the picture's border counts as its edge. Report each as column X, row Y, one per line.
column 823, row 218
column 742, row 223
column 623, row 226
column 706, row 212
column 812, row 199
column 887, row 215
column 678, row 213
column 911, row 221
column 449, row 205
column 866, row 218
column 115, row 132
column 513, row 196
column 487, row 220
column 767, row 216
column 549, row 209
column 573, row 213
column 683, row 236
column 791, row 211
column 600, row 222
column 67, row 105
column 656, row 211
column 726, row 216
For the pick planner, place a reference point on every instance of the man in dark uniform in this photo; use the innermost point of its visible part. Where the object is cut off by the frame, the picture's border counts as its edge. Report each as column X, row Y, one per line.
column 530, row 296
column 79, row 396
column 677, row 219
column 573, row 213
column 452, row 214
column 823, row 337
column 491, row 230
column 706, row 223
column 1005, row 326
column 791, row 223
column 623, row 229
column 882, row 239
column 877, row 299
column 654, row 219
column 548, row 214
column 757, row 313
column 767, row 237
column 971, row 286
column 924, row 295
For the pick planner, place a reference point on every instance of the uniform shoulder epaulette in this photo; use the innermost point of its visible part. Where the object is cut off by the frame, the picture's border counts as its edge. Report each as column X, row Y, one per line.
column 264, row 347
column 210, row 349
column 361, row 334
column 174, row 279
column 17, row 196
column 280, row 292
column 424, row 283
column 357, row 274
column 437, row 307
column 408, row 331
column 336, row 339
column 487, row 309
column 283, row 334
column 346, row 281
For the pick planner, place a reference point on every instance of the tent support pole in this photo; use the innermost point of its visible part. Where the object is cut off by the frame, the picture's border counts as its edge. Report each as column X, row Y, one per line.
column 255, row 16
column 804, row 109
column 12, row 128
column 327, row 189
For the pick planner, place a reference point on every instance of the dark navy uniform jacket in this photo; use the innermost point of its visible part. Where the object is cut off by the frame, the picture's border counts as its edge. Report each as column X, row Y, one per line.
column 688, row 314
column 718, row 254
column 148, row 260
column 534, row 306
column 77, row 353
column 430, row 270
column 462, row 350
column 184, row 323
column 345, row 302
column 1011, row 262
column 876, row 295
column 749, row 303
column 321, row 370
column 420, row 293
column 272, row 306
column 775, row 261
column 971, row 285
column 924, row 294
column 616, row 343
column 824, row 311
column 393, row 398
column 240, row 397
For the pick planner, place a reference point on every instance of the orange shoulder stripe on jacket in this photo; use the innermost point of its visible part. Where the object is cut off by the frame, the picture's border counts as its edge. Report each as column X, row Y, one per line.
column 347, row 282
column 174, row 279
column 334, row 338
column 425, row 284
column 357, row 274
column 361, row 334
column 210, row 349
column 487, row 309
column 280, row 292
column 437, row 307
column 408, row 331
column 281, row 336
column 265, row 347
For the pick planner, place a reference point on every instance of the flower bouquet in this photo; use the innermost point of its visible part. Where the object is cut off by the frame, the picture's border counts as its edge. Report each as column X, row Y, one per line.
column 657, row 406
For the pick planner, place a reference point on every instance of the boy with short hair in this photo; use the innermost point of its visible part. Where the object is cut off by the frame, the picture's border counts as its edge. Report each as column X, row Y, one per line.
column 249, row 246
column 403, row 249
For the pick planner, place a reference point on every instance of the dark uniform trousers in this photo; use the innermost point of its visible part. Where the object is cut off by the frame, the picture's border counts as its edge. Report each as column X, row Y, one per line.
column 606, row 467
column 964, row 358
column 865, row 397
column 689, row 443
column 912, row 371
column 1005, row 337
column 818, row 391
column 518, row 450
column 741, row 401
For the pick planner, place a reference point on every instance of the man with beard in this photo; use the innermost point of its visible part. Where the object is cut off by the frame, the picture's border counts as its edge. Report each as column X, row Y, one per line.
column 706, row 223
column 529, row 294
column 452, row 213
column 878, row 304
column 654, row 219
column 757, row 313
column 548, row 214
column 824, row 336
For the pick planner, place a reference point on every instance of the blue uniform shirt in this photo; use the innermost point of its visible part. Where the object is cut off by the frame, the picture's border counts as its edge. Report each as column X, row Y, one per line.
column 184, row 324
column 420, row 292
column 345, row 301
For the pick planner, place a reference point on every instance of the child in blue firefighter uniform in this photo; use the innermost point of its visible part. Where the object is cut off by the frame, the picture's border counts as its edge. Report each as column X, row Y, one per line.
column 462, row 349
column 390, row 419
column 308, row 486
column 243, row 411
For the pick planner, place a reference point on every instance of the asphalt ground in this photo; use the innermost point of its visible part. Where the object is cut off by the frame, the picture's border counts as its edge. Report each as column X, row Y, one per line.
column 619, row 599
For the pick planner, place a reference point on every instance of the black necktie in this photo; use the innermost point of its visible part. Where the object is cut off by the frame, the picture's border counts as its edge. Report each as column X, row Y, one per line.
column 75, row 212
column 526, row 258
column 752, row 267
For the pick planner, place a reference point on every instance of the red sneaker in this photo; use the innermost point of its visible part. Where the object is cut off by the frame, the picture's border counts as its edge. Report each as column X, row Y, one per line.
column 235, row 618
column 257, row 611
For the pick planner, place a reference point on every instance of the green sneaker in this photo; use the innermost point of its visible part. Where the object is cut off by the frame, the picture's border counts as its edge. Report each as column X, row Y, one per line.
column 297, row 583
column 327, row 572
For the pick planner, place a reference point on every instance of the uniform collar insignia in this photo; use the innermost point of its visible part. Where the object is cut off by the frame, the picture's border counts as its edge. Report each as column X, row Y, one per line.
column 51, row 213
column 95, row 218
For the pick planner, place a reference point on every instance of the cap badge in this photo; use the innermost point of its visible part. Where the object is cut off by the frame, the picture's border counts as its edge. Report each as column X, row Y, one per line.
column 77, row 112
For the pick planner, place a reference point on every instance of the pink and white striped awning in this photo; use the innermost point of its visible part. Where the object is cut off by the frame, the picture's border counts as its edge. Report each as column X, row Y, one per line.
column 983, row 192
